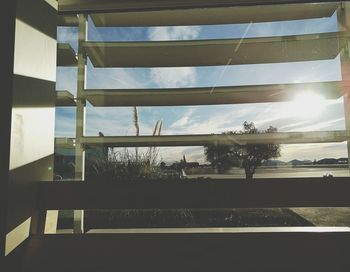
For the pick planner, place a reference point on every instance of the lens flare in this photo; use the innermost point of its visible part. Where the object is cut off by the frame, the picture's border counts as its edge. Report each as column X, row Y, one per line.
column 305, row 105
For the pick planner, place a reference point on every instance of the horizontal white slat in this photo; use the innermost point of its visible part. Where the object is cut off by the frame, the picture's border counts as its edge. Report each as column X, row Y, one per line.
column 216, row 52
column 93, row 6
column 207, row 16
column 66, row 55
column 221, row 230
column 206, row 139
column 211, row 95
column 64, row 99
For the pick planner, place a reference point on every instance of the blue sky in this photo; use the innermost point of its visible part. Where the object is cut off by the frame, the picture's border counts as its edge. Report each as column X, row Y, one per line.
column 207, row 119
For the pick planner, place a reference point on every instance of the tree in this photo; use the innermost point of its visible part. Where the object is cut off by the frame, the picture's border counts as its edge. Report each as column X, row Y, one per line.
column 249, row 157
column 222, row 157
column 162, row 165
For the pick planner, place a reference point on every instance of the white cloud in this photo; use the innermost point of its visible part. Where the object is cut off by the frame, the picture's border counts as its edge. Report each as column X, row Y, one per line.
column 173, row 77
column 220, row 120
column 114, row 121
column 184, row 120
column 174, row 33
column 114, row 78
column 293, row 125
column 110, row 121
column 328, row 124
column 181, row 122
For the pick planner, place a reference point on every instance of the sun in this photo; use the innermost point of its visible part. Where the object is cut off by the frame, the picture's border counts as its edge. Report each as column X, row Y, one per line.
column 305, row 105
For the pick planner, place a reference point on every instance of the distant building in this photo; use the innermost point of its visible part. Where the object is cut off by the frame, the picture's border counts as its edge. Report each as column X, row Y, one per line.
column 192, row 165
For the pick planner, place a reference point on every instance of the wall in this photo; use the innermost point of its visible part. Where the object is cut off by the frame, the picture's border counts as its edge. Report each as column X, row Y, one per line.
column 7, row 30
column 33, row 115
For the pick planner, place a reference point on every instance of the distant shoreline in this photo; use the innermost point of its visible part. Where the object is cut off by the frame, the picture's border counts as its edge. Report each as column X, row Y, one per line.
column 307, row 166
column 273, row 172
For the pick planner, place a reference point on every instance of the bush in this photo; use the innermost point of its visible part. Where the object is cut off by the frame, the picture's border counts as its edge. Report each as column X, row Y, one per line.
column 123, row 166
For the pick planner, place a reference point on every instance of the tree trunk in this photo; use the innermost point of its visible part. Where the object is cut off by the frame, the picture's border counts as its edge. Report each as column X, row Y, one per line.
column 220, row 170
column 249, row 174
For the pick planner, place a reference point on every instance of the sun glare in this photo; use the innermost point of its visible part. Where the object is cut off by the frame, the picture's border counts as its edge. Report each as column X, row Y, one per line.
column 305, row 105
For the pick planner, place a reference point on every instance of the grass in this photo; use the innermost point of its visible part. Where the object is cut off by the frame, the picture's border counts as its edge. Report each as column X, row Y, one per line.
column 123, row 166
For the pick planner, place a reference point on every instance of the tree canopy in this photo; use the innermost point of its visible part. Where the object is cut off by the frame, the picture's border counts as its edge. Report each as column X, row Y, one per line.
column 249, row 157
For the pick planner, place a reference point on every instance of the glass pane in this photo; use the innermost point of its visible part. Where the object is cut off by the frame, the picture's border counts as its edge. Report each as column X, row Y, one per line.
column 244, row 95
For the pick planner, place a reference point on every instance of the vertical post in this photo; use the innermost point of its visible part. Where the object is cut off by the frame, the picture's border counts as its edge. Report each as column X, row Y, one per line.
column 80, row 117
column 347, row 120
column 343, row 14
